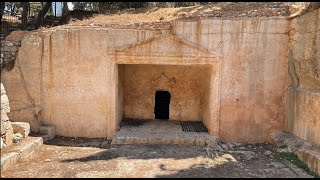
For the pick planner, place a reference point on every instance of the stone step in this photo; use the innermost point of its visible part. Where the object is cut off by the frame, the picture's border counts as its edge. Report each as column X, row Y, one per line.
column 160, row 132
column 168, row 140
column 12, row 154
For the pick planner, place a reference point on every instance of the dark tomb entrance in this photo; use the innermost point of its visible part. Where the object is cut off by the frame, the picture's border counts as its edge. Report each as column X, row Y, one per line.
column 162, row 102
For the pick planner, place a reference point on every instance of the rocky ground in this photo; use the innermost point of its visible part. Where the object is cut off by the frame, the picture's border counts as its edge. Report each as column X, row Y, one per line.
column 81, row 157
column 224, row 10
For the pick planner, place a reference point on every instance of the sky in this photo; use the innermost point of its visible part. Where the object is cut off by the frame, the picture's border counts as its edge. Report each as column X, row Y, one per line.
column 59, row 7
column 70, row 6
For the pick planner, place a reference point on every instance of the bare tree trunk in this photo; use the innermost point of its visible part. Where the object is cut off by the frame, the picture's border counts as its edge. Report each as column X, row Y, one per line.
column 103, row 7
column 42, row 13
column 24, row 20
column 65, row 13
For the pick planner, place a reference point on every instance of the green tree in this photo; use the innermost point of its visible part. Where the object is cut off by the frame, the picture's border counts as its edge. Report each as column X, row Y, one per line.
column 65, row 13
column 88, row 6
column 2, row 6
column 13, row 6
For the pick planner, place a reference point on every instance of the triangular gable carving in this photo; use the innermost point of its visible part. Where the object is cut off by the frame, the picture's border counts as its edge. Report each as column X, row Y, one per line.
column 165, row 45
column 162, row 78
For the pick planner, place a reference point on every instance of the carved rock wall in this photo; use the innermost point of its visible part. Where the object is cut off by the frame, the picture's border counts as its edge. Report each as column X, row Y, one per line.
column 303, row 109
column 69, row 78
column 186, row 84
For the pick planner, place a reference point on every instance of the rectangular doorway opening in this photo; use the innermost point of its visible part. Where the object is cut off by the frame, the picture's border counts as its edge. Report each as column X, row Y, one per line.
column 162, row 104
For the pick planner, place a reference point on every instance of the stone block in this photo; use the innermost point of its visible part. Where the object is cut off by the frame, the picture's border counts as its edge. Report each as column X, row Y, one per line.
column 13, row 49
column 5, row 108
column 6, row 48
column 17, row 137
column 48, row 130
column 3, row 91
column 2, row 144
column 21, row 127
column 9, row 44
column 8, row 136
column 17, row 43
column 5, row 125
column 4, row 117
column 8, row 159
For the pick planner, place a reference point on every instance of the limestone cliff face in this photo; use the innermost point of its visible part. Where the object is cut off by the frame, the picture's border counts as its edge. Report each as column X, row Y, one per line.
column 303, row 111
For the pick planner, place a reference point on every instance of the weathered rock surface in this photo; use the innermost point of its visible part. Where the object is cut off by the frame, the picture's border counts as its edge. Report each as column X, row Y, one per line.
column 307, row 153
column 2, row 145
column 311, row 157
column 5, row 108
column 50, row 132
column 21, row 127
column 6, row 132
column 17, row 137
column 303, row 111
column 8, row 135
column 8, row 52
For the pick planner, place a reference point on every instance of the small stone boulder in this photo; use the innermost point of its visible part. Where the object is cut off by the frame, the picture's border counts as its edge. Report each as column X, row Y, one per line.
column 49, row 130
column 17, row 137
column 267, row 153
column 5, row 108
column 21, row 127
column 3, row 91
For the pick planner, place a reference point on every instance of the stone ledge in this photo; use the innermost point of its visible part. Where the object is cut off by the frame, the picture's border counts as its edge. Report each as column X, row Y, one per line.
column 311, row 157
column 12, row 154
column 174, row 140
column 306, row 152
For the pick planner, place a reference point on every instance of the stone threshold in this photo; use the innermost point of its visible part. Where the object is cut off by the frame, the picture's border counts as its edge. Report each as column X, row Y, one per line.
column 162, row 132
column 15, row 152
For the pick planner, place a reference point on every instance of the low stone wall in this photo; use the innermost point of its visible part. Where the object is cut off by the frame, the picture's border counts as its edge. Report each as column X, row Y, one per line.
column 6, row 127
column 9, row 51
column 8, row 54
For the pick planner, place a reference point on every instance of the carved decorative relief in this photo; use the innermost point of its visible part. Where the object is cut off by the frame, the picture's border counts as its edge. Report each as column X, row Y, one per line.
column 163, row 79
column 164, row 49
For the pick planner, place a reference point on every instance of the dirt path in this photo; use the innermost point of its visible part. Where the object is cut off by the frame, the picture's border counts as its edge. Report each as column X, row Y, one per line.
column 65, row 158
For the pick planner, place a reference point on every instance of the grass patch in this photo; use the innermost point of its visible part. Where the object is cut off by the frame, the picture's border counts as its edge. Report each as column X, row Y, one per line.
column 293, row 158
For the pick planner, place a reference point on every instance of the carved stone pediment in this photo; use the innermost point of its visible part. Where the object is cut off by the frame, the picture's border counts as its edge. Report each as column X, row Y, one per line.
column 163, row 48
column 164, row 45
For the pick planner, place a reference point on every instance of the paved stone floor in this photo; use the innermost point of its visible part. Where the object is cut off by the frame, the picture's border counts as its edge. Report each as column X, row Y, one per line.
column 161, row 132
column 80, row 157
